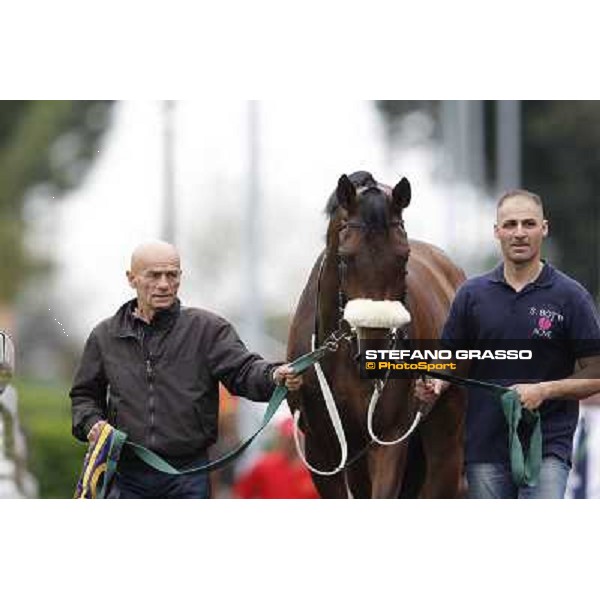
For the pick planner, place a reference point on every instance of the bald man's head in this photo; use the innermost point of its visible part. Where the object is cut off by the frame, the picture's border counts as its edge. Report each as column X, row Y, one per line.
column 152, row 252
column 155, row 273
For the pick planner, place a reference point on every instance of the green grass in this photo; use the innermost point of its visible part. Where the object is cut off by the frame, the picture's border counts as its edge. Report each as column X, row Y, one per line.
column 55, row 457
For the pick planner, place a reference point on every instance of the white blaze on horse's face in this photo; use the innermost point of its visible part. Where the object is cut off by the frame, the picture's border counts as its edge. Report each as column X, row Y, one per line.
column 373, row 251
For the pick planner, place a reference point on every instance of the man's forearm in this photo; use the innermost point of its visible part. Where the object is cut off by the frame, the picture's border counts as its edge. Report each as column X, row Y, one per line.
column 571, row 388
column 583, row 383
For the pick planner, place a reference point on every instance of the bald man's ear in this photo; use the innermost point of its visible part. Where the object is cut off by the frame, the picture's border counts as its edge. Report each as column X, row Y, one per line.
column 130, row 279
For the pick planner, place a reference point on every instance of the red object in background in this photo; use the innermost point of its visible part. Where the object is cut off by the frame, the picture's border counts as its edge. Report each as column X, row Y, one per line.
column 278, row 474
column 286, row 429
column 273, row 476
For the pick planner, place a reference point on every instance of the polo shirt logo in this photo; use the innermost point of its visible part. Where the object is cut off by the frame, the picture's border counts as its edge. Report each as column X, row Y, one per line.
column 545, row 320
column 544, row 323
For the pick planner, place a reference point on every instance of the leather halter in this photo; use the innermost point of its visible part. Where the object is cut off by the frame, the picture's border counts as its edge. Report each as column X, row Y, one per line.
column 395, row 337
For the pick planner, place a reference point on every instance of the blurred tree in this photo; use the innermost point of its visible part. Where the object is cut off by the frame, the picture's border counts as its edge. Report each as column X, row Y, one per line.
column 561, row 162
column 54, row 456
column 50, row 143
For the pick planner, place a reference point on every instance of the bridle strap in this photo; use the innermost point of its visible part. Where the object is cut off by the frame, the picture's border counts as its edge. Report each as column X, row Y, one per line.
column 342, row 295
column 318, row 301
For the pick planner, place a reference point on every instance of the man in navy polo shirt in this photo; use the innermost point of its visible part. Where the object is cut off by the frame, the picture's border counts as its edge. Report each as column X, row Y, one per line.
column 524, row 298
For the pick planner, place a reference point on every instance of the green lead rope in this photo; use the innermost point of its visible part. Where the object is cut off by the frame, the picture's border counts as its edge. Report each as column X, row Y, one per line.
column 154, row 460
column 525, row 468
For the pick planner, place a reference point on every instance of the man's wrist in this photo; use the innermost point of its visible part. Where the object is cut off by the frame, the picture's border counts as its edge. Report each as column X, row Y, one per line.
column 273, row 371
column 547, row 389
column 90, row 427
column 444, row 385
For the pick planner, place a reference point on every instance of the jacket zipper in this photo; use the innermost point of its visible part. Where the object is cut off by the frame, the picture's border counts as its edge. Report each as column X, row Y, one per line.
column 150, row 376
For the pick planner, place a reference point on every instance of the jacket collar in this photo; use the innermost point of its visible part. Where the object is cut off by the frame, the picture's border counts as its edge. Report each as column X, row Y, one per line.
column 125, row 323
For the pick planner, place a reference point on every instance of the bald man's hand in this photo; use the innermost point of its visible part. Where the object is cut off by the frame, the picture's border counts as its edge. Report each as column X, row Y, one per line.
column 95, row 431
column 284, row 375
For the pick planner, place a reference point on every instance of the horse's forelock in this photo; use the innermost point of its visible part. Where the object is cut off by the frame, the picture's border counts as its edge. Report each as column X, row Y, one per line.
column 360, row 179
column 373, row 208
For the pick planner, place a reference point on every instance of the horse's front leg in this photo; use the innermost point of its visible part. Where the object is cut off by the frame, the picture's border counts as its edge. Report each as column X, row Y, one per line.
column 442, row 433
column 386, row 467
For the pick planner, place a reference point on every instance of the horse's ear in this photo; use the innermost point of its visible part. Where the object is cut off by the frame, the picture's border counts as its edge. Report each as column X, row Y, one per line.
column 401, row 193
column 345, row 192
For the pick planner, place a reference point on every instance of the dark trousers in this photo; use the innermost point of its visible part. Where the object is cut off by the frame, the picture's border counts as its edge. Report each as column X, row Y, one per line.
column 134, row 479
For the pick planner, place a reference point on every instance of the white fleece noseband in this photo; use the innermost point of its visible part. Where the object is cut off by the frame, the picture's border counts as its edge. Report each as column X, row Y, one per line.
column 379, row 314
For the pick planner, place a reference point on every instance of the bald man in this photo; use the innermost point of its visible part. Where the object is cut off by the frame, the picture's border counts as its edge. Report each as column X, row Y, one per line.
column 524, row 298
column 152, row 370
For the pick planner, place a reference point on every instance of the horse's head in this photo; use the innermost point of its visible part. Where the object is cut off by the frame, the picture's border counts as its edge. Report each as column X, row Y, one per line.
column 366, row 234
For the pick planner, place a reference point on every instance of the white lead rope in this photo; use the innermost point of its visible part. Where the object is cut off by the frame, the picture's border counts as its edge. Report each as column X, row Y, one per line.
column 337, row 423
column 335, row 420
column 372, row 404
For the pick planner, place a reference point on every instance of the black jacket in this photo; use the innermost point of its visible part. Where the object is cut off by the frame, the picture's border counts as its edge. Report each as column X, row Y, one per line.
column 159, row 382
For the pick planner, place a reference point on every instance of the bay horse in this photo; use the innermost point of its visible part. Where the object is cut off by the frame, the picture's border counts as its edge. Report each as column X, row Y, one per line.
column 368, row 256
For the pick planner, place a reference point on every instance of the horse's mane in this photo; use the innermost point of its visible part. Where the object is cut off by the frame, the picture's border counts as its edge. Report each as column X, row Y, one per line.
column 372, row 200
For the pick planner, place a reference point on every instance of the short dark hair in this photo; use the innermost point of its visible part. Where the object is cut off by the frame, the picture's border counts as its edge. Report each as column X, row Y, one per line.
column 518, row 192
